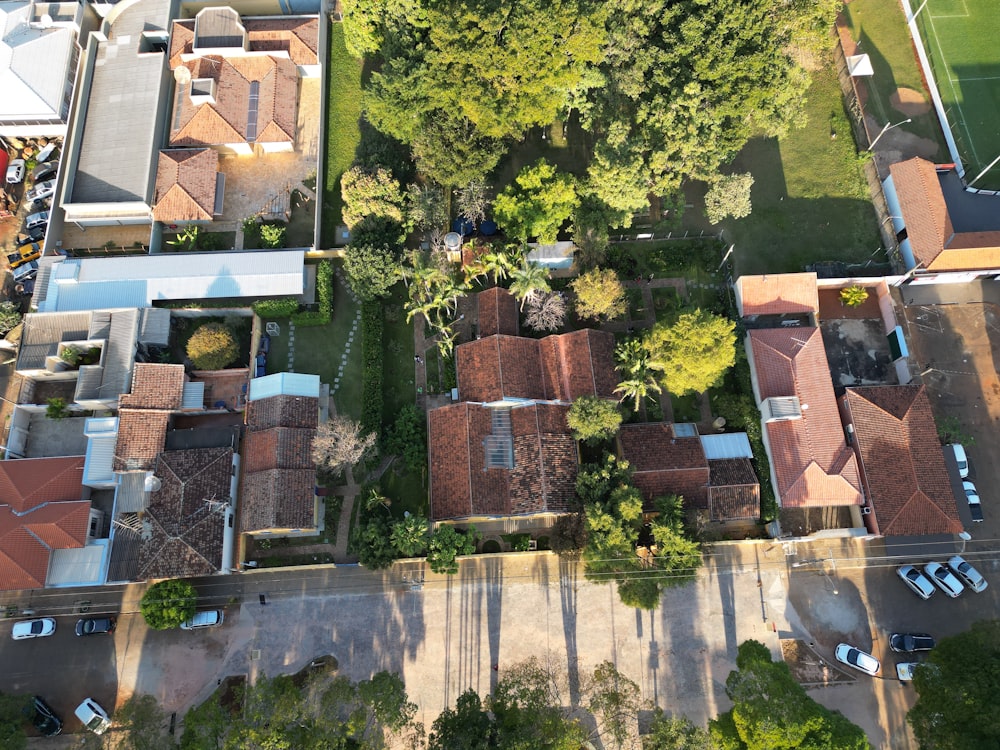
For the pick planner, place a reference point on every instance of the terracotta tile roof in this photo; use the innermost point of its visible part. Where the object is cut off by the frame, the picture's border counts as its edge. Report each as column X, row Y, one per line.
column 561, row 367
column 298, row 37
column 185, row 185
column 27, row 540
column 543, row 476
column 142, row 435
column 155, row 386
column 497, row 312
column 278, row 499
column 809, row 456
column 896, row 440
column 225, row 119
column 777, row 294
column 278, row 448
column 186, row 532
column 283, row 411
column 663, row 464
column 29, row 482
column 734, row 492
column 921, row 202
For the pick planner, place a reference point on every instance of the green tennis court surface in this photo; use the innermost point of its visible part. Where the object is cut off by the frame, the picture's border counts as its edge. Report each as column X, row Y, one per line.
column 962, row 41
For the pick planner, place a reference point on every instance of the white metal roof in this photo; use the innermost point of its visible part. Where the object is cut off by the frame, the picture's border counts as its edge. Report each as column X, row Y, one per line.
column 34, row 64
column 81, row 566
column 728, row 445
column 140, row 280
column 284, row 384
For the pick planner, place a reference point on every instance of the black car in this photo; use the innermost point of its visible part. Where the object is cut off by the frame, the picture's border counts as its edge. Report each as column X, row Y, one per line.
column 44, row 171
column 908, row 642
column 34, row 235
column 43, row 718
column 95, row 625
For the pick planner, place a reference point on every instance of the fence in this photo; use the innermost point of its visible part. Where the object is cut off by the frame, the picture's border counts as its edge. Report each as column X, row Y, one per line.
column 651, row 236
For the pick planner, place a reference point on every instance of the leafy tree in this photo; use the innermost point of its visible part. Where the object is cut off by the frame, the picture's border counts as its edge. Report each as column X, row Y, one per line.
column 546, row 312
column 448, row 543
column 729, row 195
column 591, row 244
column 472, row 201
column 956, row 691
column 527, row 710
column 528, row 280
column 385, row 704
column 425, row 206
column 142, row 725
column 10, row 316
column 676, row 733
column 168, row 603
column 452, row 151
column 370, row 192
column 371, row 270
column 206, row 726
column 371, row 541
column 12, row 713
column 615, row 701
column 56, row 408
column 619, row 180
column 408, row 438
column 212, row 347
column 771, row 711
column 593, row 420
column 339, row 444
column 693, row 353
column 273, row 235
column 410, row 536
column 378, row 231
column 569, row 533
column 537, row 203
column 854, row 295
column 468, row 726
column 599, row 294
column 365, row 22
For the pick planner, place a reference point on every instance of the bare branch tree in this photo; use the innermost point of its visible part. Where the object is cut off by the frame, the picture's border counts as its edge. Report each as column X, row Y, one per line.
column 472, row 201
column 340, row 444
column 546, row 312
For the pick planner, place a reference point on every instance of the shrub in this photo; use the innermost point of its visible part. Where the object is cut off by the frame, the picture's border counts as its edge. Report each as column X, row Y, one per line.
column 10, row 316
column 853, row 296
column 212, row 347
column 371, row 374
column 324, row 296
column 56, row 408
column 273, row 235
column 276, row 308
column 408, row 438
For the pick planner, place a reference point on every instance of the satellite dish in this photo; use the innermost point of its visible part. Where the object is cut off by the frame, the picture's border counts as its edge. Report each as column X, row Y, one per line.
column 152, row 483
column 46, row 21
column 182, row 75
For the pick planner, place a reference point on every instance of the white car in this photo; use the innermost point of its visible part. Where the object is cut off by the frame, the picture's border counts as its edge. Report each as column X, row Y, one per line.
column 960, row 458
column 855, row 657
column 212, row 618
column 39, row 628
column 944, row 578
column 916, row 580
column 92, row 716
column 904, row 671
column 969, row 575
column 15, row 171
column 41, row 190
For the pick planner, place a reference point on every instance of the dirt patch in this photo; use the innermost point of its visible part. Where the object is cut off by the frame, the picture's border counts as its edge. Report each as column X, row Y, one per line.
column 808, row 668
column 909, row 101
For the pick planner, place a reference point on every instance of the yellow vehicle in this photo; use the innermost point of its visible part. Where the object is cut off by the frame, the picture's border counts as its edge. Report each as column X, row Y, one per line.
column 24, row 254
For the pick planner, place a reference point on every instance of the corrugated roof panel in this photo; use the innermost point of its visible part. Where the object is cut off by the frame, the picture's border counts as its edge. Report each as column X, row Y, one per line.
column 284, row 384
column 100, row 452
column 131, row 496
column 193, row 396
column 154, row 326
column 727, row 445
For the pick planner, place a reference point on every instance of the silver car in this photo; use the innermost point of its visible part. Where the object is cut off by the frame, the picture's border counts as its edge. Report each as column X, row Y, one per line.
column 969, row 575
column 918, row 584
column 944, row 579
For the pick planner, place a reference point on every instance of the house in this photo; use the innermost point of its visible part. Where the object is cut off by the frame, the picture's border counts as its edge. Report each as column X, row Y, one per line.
column 39, row 52
column 899, row 455
column 811, row 464
column 506, row 450
column 141, row 280
column 945, row 233
column 46, row 523
column 278, row 496
column 793, row 294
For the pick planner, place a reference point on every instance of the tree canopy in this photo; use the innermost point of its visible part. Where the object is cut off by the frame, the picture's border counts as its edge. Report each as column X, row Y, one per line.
column 168, row 603
column 592, row 419
column 212, row 347
column 693, row 353
column 447, row 544
column 600, row 294
column 537, row 203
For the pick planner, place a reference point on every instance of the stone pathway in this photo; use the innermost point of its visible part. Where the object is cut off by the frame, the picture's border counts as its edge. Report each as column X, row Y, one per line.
column 291, row 346
column 350, row 336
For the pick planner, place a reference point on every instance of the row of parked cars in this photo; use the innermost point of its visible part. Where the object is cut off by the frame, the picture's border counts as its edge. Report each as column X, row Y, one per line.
column 901, row 643
column 951, row 579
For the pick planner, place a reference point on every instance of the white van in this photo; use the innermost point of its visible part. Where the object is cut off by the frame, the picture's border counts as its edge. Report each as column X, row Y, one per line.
column 211, row 619
column 960, row 458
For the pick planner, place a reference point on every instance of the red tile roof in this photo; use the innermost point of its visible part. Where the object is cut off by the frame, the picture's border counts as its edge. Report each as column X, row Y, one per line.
column 297, row 37
column 155, row 386
column 777, row 294
column 283, row 411
column 278, row 448
column 896, row 441
column 29, row 482
column 27, row 540
column 561, row 367
column 142, row 434
column 497, row 312
column 543, row 476
column 809, row 456
column 278, row 499
column 734, row 492
column 663, row 464
column 185, row 185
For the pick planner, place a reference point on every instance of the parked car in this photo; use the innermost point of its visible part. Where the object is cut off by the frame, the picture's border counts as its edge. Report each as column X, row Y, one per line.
column 944, row 579
column 960, row 458
column 211, row 619
column 967, row 574
column 46, row 152
column 39, row 628
column 905, row 670
column 33, row 235
column 44, row 171
column 916, row 580
column 92, row 716
column 908, row 642
column 24, row 255
column 41, row 190
column 35, row 221
column 43, row 718
column 855, row 657
column 96, row 625
column 26, row 271
column 15, row 171
column 975, row 506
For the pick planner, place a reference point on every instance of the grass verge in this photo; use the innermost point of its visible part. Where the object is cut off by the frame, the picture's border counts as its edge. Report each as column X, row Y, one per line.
column 343, row 132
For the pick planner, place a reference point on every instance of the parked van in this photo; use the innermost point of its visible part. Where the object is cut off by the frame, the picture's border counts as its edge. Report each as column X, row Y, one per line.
column 960, row 458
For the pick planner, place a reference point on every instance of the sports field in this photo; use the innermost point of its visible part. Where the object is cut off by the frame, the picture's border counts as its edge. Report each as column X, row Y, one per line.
column 961, row 40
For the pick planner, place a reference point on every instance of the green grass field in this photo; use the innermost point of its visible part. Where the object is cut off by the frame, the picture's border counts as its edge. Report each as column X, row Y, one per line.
column 960, row 38
column 343, row 133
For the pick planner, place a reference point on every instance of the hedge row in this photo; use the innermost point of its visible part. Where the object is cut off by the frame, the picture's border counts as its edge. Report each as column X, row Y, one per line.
column 276, row 308
column 371, row 375
column 324, row 293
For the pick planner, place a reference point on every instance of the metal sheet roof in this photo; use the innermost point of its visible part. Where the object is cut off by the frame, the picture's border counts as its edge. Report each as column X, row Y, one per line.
column 284, row 384
column 728, row 445
column 82, row 566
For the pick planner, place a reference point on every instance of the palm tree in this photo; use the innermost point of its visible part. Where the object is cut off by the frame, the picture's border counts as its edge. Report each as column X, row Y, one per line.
column 528, row 280
column 633, row 361
column 639, row 389
column 187, row 239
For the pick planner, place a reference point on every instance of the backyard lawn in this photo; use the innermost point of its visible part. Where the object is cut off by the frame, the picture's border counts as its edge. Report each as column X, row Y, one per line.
column 810, row 198
column 343, row 133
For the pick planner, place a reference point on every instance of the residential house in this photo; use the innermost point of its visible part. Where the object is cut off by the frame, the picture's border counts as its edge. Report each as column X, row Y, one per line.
column 278, row 496
column 496, row 313
column 906, row 482
column 946, row 234
column 783, row 294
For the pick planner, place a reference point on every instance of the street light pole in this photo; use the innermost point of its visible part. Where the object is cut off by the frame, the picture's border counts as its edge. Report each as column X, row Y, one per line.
column 888, row 127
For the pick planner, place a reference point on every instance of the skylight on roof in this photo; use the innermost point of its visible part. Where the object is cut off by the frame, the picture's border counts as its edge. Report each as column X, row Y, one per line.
column 252, row 111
